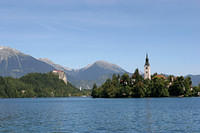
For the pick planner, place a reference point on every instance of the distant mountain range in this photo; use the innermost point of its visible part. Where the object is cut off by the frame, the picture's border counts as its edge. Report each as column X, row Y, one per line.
column 16, row 64
column 85, row 77
column 195, row 79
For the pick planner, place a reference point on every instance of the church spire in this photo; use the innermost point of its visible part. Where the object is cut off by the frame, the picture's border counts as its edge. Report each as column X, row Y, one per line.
column 147, row 61
column 147, row 69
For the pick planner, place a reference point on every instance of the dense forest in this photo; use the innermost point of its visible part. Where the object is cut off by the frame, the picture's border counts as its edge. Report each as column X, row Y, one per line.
column 135, row 86
column 37, row 85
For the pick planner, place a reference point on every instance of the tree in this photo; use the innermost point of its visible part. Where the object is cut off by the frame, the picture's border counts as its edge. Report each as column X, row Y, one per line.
column 147, row 87
column 115, row 80
column 136, row 86
column 125, row 80
column 177, row 88
column 139, row 89
column 94, row 91
column 112, row 91
column 35, row 85
column 188, row 86
column 2, row 88
column 136, row 76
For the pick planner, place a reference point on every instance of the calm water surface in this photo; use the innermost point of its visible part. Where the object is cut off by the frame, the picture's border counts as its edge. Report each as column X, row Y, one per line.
column 87, row 115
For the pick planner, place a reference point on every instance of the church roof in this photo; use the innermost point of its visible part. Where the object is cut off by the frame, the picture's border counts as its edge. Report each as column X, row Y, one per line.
column 160, row 76
column 147, row 61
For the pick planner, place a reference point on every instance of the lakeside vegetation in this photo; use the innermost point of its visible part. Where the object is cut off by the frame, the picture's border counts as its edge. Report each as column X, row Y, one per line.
column 125, row 86
column 37, row 85
column 135, row 86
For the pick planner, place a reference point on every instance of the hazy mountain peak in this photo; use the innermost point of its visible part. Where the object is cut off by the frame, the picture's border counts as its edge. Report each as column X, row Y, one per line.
column 104, row 65
column 108, row 65
column 56, row 66
column 88, row 66
column 6, row 52
column 15, row 63
column 102, row 62
column 48, row 61
column 8, row 49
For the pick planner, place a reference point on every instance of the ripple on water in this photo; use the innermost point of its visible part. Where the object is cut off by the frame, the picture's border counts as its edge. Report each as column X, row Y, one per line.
column 86, row 115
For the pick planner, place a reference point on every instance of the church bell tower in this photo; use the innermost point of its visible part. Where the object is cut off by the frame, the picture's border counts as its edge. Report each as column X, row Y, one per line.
column 147, row 69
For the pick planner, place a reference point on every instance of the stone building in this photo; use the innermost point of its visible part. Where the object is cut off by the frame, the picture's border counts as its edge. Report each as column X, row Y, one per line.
column 147, row 69
column 61, row 75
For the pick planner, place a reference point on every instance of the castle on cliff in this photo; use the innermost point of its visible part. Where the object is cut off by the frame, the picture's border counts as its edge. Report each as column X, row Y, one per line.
column 61, row 75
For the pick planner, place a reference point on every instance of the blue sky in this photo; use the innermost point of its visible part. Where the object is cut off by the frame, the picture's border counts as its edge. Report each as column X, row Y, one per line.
column 75, row 33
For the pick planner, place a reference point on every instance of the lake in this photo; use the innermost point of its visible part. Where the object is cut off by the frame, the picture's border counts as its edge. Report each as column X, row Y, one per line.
column 87, row 115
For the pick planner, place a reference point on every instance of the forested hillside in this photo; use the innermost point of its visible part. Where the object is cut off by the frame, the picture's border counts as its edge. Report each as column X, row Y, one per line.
column 36, row 85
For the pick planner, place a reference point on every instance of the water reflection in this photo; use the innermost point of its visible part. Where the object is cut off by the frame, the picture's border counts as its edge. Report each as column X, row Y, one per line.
column 148, row 113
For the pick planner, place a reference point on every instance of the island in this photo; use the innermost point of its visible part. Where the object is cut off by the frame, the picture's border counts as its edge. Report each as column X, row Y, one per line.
column 137, row 86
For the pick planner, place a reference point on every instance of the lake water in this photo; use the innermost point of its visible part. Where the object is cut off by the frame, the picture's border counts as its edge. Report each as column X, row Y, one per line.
column 87, row 115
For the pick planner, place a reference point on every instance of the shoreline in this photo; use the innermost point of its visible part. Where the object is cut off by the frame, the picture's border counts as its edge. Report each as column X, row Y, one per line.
column 97, row 98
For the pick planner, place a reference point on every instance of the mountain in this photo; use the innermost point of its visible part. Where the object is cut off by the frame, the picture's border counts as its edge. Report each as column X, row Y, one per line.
column 85, row 77
column 56, row 66
column 98, row 69
column 195, row 79
column 67, row 70
column 97, row 73
column 16, row 64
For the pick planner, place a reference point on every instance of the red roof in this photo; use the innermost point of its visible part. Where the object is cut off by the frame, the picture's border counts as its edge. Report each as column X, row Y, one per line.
column 160, row 76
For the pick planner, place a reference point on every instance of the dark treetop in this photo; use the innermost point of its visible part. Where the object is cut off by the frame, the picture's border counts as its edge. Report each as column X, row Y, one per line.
column 136, row 86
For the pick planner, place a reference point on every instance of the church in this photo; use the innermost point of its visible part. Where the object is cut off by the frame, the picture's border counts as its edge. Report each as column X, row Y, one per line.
column 147, row 69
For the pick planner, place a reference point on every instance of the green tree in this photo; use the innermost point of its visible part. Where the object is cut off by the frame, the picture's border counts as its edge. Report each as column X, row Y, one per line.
column 136, row 76
column 125, row 79
column 159, row 87
column 116, row 80
column 177, row 88
column 2, row 88
column 139, row 89
column 94, row 91
column 188, row 86
column 147, row 87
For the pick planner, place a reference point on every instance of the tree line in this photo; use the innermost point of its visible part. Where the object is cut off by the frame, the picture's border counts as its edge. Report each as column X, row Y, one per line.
column 36, row 85
column 135, row 86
